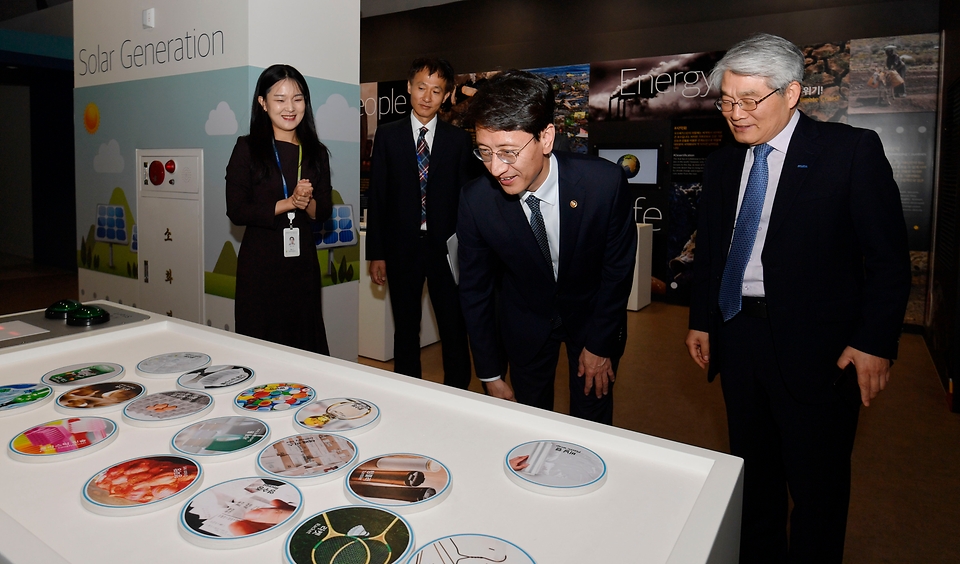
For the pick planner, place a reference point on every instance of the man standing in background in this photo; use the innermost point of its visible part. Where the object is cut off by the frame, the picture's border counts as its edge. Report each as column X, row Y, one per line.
column 417, row 168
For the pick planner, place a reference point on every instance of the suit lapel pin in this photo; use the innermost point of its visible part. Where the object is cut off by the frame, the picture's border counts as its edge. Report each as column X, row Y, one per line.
column 801, row 166
column 573, row 204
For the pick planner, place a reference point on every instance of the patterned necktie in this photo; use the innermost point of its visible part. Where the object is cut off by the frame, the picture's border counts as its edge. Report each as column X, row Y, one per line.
column 539, row 231
column 744, row 234
column 423, row 165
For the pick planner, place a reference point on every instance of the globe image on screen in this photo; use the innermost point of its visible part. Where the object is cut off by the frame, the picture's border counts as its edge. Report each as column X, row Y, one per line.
column 630, row 164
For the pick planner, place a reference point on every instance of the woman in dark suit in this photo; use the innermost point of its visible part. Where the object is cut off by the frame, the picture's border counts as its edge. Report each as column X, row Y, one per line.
column 278, row 182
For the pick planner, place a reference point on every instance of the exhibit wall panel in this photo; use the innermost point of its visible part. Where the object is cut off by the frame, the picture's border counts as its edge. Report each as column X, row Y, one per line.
column 478, row 36
column 319, row 37
column 111, row 43
column 188, row 83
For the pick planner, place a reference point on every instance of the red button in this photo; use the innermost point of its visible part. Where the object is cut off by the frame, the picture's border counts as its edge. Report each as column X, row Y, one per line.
column 156, row 173
column 171, row 166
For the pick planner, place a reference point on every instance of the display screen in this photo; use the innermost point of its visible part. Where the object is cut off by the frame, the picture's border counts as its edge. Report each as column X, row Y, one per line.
column 639, row 164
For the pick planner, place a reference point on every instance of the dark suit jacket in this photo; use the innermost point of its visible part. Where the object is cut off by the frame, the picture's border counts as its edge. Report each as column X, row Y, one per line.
column 393, row 216
column 836, row 267
column 598, row 246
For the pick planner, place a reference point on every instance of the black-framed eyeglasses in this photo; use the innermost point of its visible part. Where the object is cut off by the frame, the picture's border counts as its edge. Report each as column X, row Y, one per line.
column 506, row 156
column 746, row 104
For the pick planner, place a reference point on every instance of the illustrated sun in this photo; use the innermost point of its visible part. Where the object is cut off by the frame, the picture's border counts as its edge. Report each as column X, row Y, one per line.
column 91, row 118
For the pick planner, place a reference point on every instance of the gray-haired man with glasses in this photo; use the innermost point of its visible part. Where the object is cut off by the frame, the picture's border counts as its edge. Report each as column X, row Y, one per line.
column 554, row 233
column 801, row 280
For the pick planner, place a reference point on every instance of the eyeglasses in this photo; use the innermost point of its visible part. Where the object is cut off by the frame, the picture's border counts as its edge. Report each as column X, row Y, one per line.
column 746, row 104
column 505, row 156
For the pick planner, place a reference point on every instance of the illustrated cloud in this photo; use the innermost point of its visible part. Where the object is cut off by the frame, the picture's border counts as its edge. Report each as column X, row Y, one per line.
column 222, row 121
column 109, row 159
column 337, row 121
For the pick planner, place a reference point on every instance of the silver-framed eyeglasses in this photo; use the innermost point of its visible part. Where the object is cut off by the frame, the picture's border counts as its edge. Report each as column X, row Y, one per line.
column 506, row 156
column 746, row 104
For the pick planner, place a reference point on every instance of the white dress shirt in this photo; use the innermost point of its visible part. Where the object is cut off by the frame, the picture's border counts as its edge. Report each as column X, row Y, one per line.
column 753, row 274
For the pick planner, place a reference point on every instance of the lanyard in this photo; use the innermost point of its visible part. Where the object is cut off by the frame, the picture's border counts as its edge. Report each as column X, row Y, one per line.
column 299, row 161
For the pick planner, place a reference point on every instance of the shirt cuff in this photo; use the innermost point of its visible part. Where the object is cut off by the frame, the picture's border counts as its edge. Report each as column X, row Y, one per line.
column 494, row 379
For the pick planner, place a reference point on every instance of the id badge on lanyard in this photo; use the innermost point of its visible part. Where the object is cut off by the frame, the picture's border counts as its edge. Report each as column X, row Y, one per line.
column 291, row 235
column 291, row 238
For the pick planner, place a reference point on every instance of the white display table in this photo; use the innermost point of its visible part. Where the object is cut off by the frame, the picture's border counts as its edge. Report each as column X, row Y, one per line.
column 662, row 502
column 376, row 315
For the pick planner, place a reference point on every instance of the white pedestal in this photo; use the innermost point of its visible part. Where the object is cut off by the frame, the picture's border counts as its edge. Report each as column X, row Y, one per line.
column 376, row 315
column 640, row 295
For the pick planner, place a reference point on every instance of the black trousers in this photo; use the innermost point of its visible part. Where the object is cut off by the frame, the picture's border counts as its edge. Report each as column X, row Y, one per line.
column 405, row 281
column 787, row 447
column 533, row 383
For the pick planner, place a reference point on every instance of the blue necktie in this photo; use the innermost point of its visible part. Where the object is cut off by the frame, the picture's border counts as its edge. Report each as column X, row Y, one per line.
column 423, row 165
column 539, row 231
column 745, row 233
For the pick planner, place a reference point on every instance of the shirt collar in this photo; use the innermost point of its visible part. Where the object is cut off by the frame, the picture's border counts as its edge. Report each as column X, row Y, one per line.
column 416, row 125
column 782, row 141
column 548, row 191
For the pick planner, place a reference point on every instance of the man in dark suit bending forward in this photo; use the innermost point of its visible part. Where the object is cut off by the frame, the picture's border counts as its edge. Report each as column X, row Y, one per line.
column 417, row 168
column 554, row 235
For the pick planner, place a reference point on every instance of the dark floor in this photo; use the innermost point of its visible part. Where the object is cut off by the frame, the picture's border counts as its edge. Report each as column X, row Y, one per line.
column 905, row 506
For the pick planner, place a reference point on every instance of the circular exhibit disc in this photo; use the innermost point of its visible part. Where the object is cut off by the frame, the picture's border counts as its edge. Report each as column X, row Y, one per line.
column 308, row 459
column 87, row 373
column 352, row 533
column 220, row 438
column 274, row 399
column 404, row 482
column 343, row 416
column 164, row 409
column 217, row 379
column 470, row 548
column 21, row 398
column 62, row 439
column 142, row 485
column 98, row 398
column 555, row 468
column 172, row 363
column 240, row 513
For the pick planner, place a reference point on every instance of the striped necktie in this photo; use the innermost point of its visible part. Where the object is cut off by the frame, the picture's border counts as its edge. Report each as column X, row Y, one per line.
column 423, row 165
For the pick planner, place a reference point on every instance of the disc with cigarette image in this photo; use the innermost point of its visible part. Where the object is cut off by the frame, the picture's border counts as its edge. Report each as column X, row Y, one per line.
column 343, row 416
column 406, row 483
column 220, row 438
column 308, row 459
column 21, row 398
column 277, row 398
column 466, row 548
column 164, row 409
column 169, row 364
column 217, row 379
column 351, row 534
column 87, row 373
column 142, row 485
column 240, row 513
column 99, row 398
column 555, row 468
column 63, row 439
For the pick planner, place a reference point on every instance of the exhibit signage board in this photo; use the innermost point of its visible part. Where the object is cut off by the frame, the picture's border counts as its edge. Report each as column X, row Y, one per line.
column 657, row 502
